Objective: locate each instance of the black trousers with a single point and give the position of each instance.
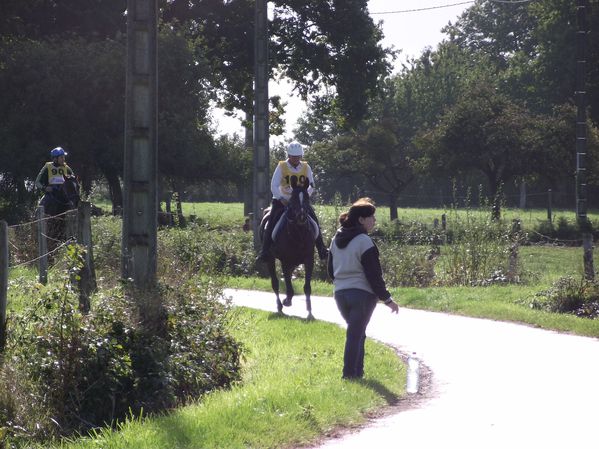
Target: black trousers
(356, 307)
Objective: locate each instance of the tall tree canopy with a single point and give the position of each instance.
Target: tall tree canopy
(309, 43)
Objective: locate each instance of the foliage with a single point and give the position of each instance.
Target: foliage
(560, 231)
(408, 266)
(478, 251)
(412, 233)
(289, 397)
(569, 295)
(489, 132)
(106, 240)
(67, 372)
(200, 248)
(43, 19)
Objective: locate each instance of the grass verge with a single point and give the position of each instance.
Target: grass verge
(291, 394)
(496, 302)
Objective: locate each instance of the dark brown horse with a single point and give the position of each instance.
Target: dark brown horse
(62, 198)
(293, 245)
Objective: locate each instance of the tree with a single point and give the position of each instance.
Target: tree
(309, 45)
(61, 93)
(71, 93)
(43, 19)
(186, 150)
(489, 132)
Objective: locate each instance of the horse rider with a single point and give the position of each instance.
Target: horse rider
(280, 186)
(52, 175)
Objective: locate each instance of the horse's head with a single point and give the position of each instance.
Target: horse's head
(299, 203)
(70, 187)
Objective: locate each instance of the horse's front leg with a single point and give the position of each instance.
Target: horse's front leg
(287, 271)
(309, 267)
(274, 282)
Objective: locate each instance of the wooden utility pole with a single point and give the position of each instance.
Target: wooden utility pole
(140, 208)
(581, 140)
(261, 178)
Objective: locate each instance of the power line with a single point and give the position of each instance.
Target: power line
(445, 6)
(422, 9)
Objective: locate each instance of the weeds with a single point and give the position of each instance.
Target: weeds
(65, 372)
(569, 295)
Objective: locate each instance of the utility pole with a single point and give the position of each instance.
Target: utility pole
(140, 207)
(261, 179)
(581, 139)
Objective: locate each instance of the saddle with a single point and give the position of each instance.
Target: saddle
(280, 224)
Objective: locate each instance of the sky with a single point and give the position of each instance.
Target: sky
(404, 29)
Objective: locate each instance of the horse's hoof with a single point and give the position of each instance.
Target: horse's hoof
(310, 317)
(287, 302)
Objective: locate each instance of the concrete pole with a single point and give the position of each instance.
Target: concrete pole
(581, 140)
(3, 281)
(140, 208)
(261, 178)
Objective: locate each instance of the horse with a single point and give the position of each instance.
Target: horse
(293, 244)
(61, 199)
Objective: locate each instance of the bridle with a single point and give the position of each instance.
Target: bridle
(297, 208)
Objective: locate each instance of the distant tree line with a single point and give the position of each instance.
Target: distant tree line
(491, 105)
(62, 67)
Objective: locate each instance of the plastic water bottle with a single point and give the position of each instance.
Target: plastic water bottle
(413, 381)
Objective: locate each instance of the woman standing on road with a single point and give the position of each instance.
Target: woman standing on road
(355, 268)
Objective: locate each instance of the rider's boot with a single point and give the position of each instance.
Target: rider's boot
(323, 251)
(266, 242)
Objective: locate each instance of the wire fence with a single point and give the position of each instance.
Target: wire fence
(38, 242)
(24, 238)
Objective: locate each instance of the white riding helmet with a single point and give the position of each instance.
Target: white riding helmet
(295, 149)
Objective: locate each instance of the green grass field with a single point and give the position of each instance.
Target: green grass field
(291, 388)
(291, 394)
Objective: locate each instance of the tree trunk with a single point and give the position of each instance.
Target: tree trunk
(21, 191)
(522, 194)
(495, 200)
(393, 206)
(116, 193)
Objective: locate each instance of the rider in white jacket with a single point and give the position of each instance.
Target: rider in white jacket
(280, 187)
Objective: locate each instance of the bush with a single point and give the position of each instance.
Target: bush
(562, 231)
(568, 295)
(479, 252)
(196, 248)
(408, 266)
(66, 372)
(411, 233)
(106, 236)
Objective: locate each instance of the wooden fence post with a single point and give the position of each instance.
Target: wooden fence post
(515, 234)
(87, 282)
(3, 281)
(549, 201)
(70, 219)
(42, 244)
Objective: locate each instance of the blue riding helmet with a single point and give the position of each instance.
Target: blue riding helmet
(58, 151)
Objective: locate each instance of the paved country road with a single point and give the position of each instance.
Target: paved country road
(493, 384)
